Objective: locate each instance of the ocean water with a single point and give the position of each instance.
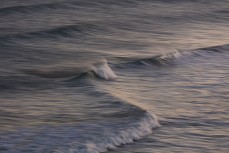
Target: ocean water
(115, 76)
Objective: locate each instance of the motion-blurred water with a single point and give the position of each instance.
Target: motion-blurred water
(83, 76)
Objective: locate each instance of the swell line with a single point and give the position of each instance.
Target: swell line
(63, 31)
(32, 8)
(61, 5)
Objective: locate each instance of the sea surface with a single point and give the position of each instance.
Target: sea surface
(114, 76)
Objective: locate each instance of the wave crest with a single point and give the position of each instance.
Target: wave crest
(103, 71)
(169, 58)
(100, 70)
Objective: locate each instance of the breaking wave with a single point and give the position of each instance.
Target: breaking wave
(119, 136)
(104, 71)
(84, 138)
(129, 123)
(100, 70)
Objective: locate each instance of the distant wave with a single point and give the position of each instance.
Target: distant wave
(27, 8)
(63, 5)
(62, 31)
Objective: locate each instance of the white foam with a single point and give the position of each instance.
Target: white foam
(103, 71)
(81, 138)
(128, 134)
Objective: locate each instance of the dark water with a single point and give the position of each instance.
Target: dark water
(117, 76)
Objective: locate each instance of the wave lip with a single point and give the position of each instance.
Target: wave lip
(103, 71)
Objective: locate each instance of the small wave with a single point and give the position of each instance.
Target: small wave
(160, 59)
(220, 49)
(102, 70)
(170, 58)
(99, 69)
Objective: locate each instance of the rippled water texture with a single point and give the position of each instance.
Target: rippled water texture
(115, 76)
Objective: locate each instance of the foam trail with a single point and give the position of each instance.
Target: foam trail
(102, 70)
